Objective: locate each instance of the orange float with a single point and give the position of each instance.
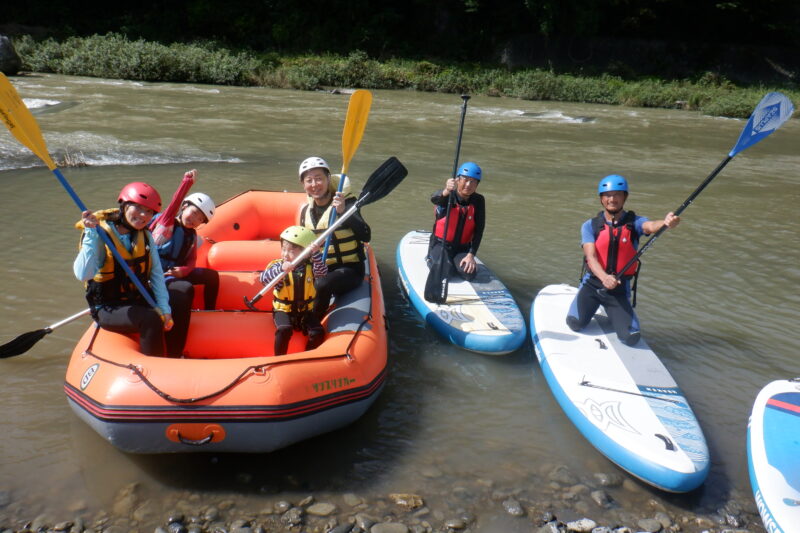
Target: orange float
(230, 393)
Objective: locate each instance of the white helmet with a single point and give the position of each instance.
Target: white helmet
(313, 162)
(203, 202)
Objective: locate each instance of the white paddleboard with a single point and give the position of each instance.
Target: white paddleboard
(773, 453)
(479, 315)
(622, 398)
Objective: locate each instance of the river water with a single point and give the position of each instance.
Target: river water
(718, 297)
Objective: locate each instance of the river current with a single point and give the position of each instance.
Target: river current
(718, 297)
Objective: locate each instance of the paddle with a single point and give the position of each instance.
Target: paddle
(770, 113)
(161, 227)
(20, 122)
(25, 342)
(379, 184)
(354, 124)
(437, 283)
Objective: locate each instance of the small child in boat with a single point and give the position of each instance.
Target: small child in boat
(179, 253)
(293, 296)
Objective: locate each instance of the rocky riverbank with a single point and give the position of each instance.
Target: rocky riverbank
(555, 500)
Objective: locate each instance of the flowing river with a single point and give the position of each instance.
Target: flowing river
(718, 297)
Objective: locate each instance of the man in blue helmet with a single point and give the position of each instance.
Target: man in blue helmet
(466, 221)
(609, 242)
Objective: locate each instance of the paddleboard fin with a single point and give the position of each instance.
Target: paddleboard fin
(602, 344)
(668, 444)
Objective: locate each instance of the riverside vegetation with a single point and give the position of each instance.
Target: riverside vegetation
(115, 56)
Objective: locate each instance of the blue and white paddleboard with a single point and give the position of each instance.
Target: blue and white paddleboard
(622, 398)
(773, 455)
(479, 315)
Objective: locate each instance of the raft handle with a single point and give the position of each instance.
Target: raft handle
(194, 434)
(192, 442)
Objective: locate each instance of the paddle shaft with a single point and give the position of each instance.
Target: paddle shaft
(68, 320)
(444, 256)
(307, 251)
(380, 183)
(107, 241)
(770, 113)
(677, 212)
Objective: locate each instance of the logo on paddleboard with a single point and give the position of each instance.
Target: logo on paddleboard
(606, 414)
(88, 375)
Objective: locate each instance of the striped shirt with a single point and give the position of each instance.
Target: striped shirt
(318, 268)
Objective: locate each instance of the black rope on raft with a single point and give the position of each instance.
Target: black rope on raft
(252, 368)
(367, 318)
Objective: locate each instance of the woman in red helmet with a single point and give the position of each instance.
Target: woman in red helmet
(115, 302)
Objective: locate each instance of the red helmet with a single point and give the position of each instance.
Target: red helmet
(142, 194)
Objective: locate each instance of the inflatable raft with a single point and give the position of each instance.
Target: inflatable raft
(230, 393)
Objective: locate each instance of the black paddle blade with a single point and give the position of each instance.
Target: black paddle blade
(383, 181)
(436, 284)
(23, 343)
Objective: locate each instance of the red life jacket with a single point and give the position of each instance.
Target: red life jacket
(462, 223)
(617, 244)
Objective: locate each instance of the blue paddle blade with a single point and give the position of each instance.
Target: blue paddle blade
(770, 113)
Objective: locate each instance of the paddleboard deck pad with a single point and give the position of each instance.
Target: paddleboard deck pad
(773, 454)
(479, 315)
(621, 398)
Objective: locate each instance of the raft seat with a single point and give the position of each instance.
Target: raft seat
(234, 335)
(239, 264)
(242, 255)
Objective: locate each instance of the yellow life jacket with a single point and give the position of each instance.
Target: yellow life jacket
(111, 285)
(344, 247)
(298, 291)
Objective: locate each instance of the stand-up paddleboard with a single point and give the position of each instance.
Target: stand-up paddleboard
(773, 453)
(479, 315)
(621, 398)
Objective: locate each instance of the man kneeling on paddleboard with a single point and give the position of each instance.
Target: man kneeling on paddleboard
(609, 242)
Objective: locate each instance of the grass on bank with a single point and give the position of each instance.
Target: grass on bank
(115, 56)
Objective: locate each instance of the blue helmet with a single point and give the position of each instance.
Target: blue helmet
(612, 182)
(470, 170)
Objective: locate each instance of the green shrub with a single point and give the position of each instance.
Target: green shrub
(114, 56)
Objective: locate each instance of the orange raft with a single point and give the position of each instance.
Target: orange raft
(231, 393)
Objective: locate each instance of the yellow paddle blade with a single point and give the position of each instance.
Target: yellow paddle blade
(354, 124)
(20, 122)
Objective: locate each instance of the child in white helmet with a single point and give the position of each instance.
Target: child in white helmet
(178, 255)
(293, 296)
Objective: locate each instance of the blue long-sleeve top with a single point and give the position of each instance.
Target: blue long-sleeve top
(92, 255)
